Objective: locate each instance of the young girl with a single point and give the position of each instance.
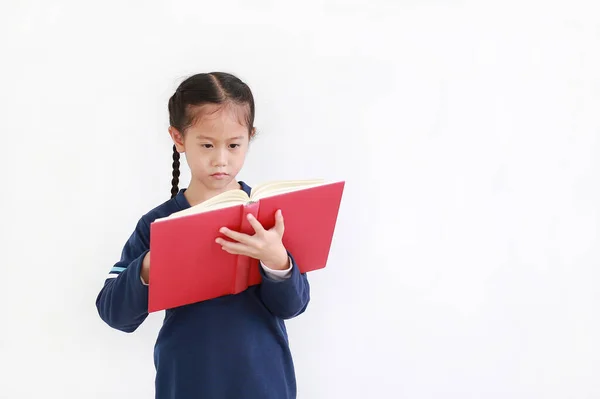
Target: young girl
(234, 346)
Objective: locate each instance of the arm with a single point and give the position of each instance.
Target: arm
(123, 300)
(288, 297)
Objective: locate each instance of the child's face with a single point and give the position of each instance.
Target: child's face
(215, 147)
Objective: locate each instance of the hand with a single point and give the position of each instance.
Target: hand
(145, 272)
(265, 245)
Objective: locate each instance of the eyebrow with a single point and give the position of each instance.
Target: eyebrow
(200, 137)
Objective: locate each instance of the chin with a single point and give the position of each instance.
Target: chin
(218, 184)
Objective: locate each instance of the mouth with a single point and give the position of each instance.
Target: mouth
(220, 175)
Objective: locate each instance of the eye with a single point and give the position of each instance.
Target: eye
(233, 146)
(206, 145)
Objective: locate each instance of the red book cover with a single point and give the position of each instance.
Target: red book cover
(188, 266)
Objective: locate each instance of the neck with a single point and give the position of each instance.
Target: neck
(197, 192)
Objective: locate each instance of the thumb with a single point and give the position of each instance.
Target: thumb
(279, 225)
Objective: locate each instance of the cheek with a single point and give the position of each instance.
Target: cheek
(196, 160)
(201, 163)
(239, 157)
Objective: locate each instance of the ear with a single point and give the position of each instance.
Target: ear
(252, 133)
(177, 138)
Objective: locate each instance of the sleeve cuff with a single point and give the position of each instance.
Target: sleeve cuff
(279, 275)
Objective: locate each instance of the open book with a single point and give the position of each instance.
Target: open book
(188, 266)
(239, 197)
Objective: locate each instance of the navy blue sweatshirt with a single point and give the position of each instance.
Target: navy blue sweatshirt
(230, 347)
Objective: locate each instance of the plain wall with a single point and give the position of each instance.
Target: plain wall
(465, 260)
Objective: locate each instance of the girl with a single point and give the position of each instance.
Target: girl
(234, 346)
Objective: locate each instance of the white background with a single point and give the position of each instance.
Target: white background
(465, 262)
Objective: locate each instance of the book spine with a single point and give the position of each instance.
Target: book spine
(244, 263)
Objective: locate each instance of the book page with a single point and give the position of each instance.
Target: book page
(223, 200)
(283, 186)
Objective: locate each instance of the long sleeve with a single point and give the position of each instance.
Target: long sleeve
(278, 274)
(123, 301)
(285, 298)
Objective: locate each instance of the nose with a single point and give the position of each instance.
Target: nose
(220, 158)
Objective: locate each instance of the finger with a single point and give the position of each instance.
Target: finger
(235, 235)
(235, 248)
(279, 225)
(258, 228)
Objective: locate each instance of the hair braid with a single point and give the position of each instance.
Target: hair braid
(175, 180)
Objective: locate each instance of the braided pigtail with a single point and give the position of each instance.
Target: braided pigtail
(175, 180)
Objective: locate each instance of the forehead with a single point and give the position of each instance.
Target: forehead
(218, 119)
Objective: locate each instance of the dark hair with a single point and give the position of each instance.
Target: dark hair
(201, 89)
